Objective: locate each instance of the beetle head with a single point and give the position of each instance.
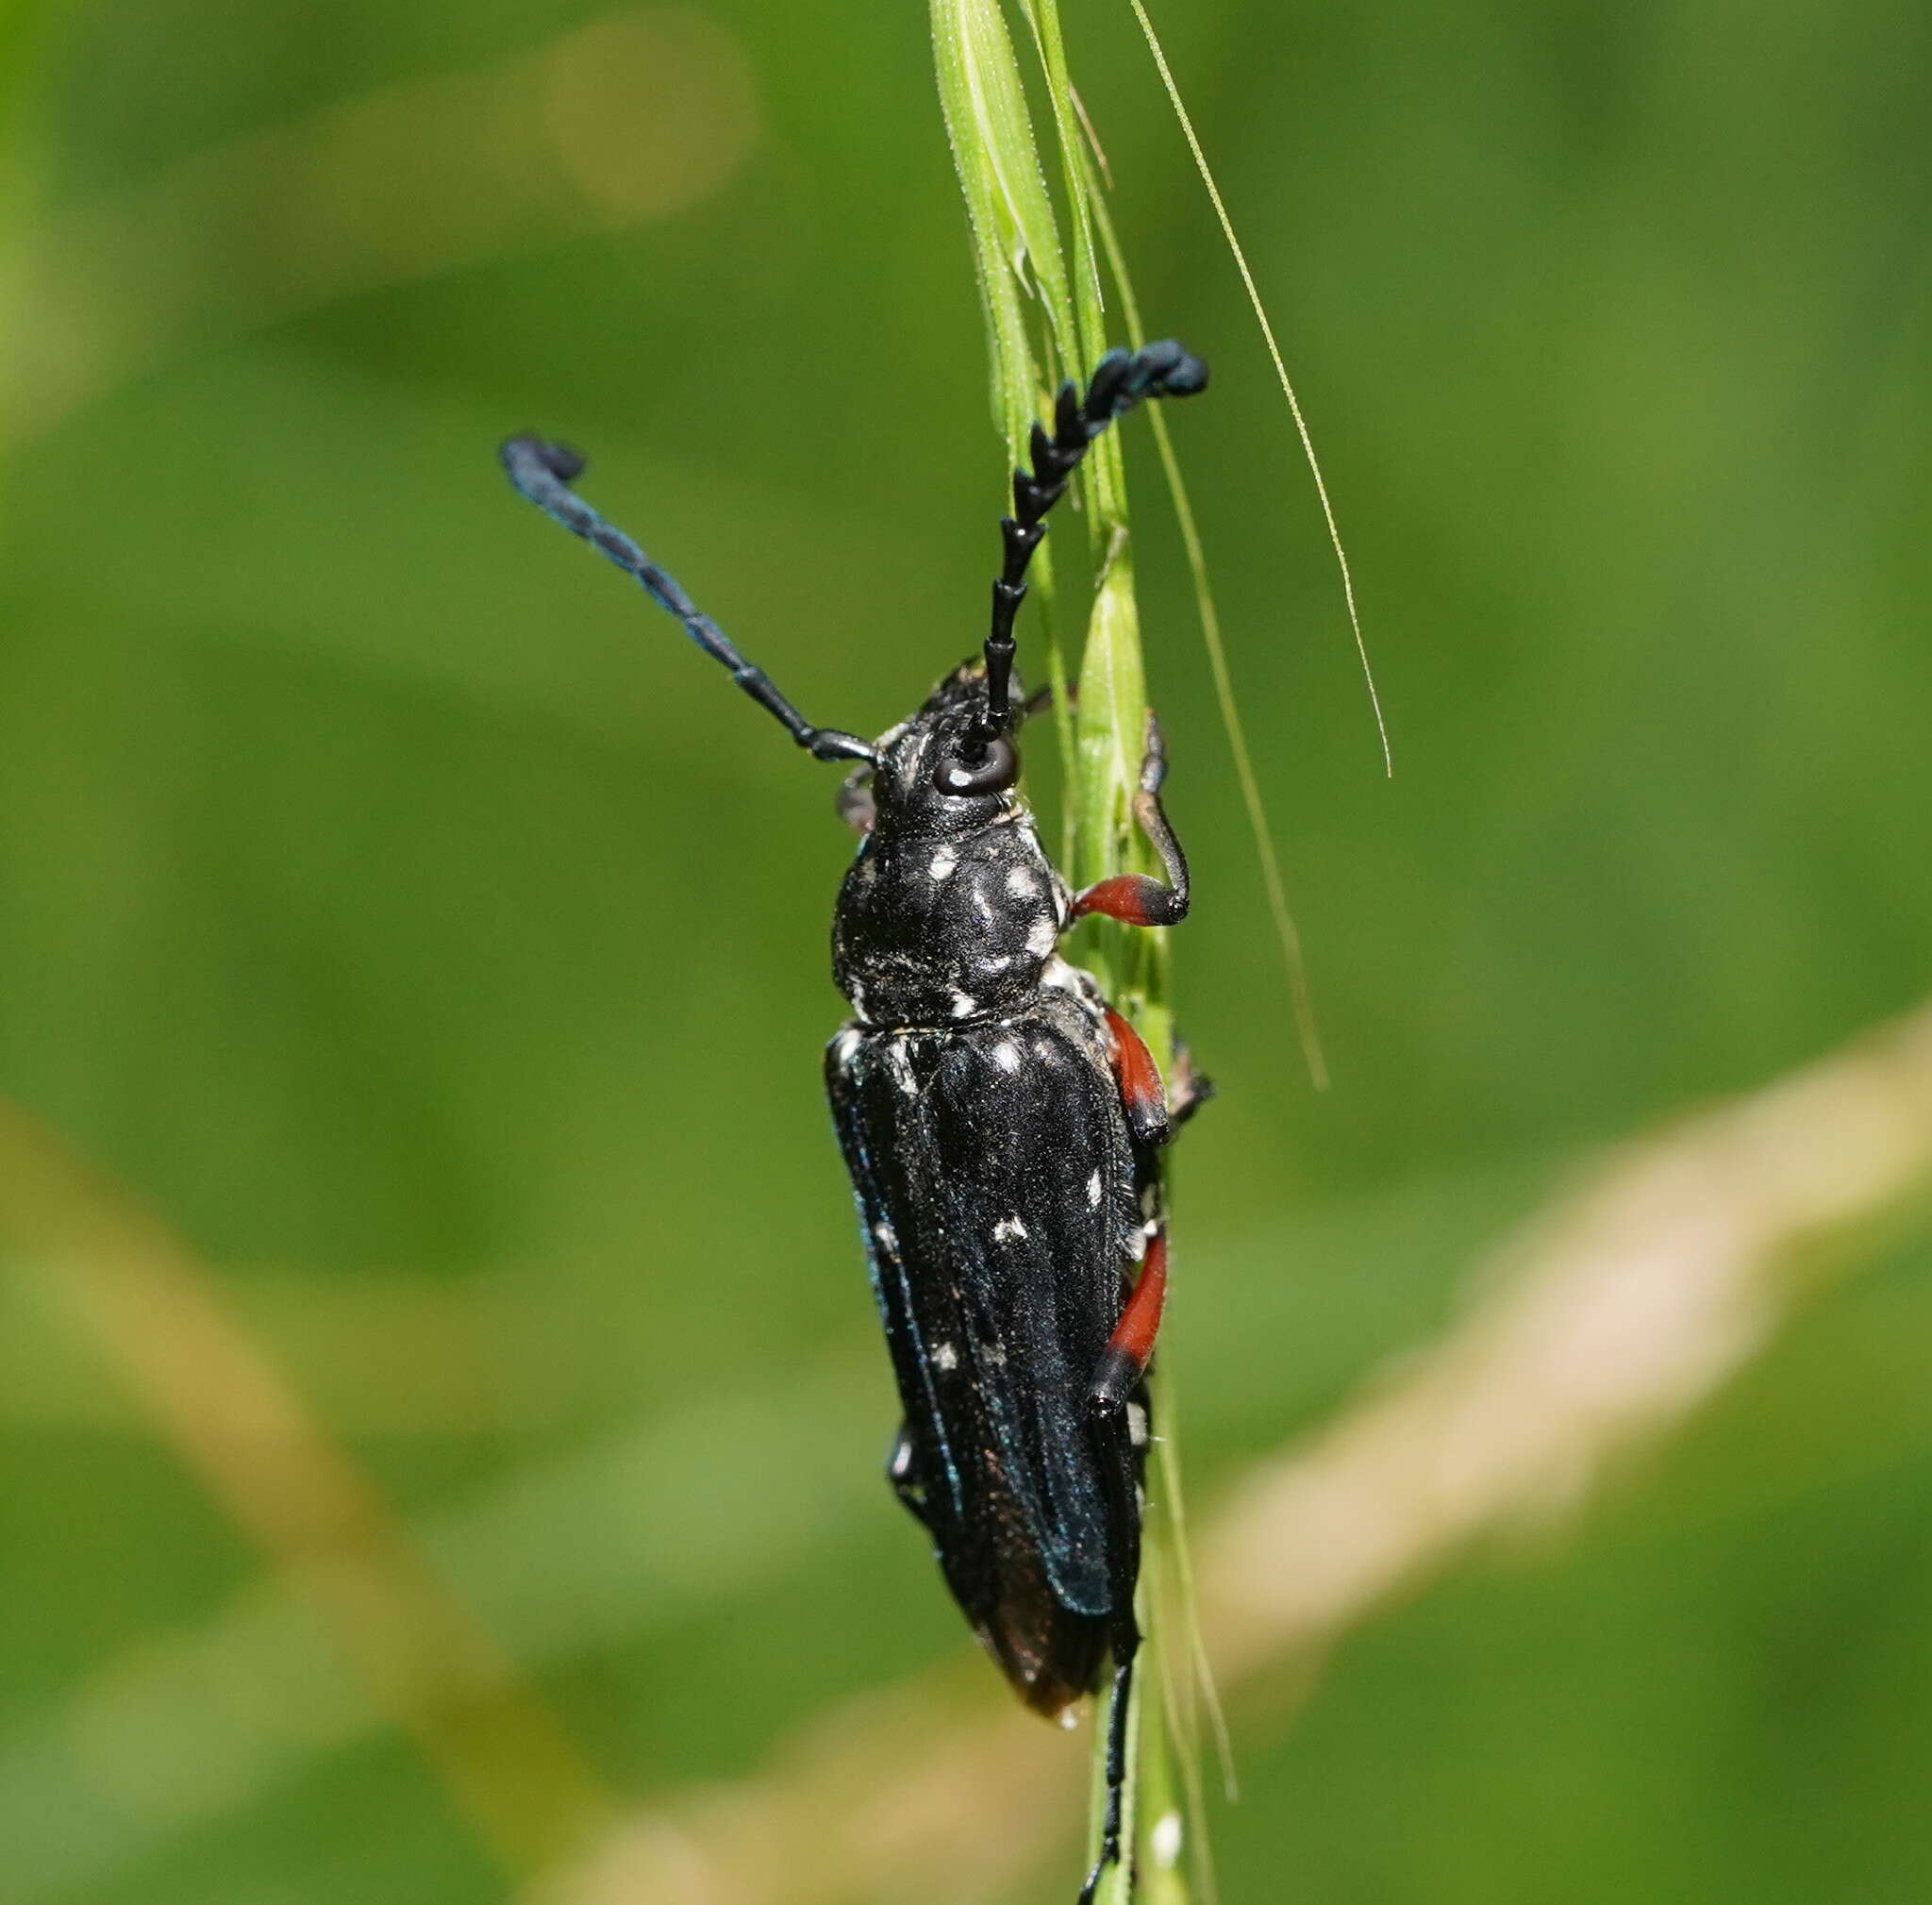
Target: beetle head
(939, 771)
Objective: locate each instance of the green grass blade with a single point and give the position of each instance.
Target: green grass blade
(1007, 208)
(1012, 224)
(1103, 478)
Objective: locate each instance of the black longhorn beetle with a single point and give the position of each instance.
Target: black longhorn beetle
(1000, 1122)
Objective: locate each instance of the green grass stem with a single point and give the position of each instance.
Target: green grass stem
(1022, 272)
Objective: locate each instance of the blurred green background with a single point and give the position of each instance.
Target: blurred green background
(393, 904)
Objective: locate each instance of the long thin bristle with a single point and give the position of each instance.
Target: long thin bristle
(1240, 258)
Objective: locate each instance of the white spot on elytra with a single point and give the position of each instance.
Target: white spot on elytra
(901, 1063)
(1020, 883)
(993, 1355)
(844, 1046)
(1041, 936)
(995, 963)
(943, 861)
(885, 1236)
(1010, 1230)
(1006, 1056)
(964, 1005)
(1137, 1425)
(1094, 1191)
(945, 1356)
(1164, 1841)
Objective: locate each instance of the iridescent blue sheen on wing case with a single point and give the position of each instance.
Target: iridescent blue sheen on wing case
(1002, 1126)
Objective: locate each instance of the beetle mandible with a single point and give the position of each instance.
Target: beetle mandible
(1000, 1122)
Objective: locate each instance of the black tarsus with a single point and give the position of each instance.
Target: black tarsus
(1121, 379)
(1163, 902)
(544, 471)
(1155, 823)
(1113, 1443)
(1119, 1707)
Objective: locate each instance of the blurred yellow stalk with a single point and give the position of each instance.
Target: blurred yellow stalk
(220, 1406)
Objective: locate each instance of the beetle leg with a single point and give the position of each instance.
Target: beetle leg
(1139, 1077)
(1117, 1403)
(1042, 698)
(1191, 1087)
(903, 1477)
(1117, 1417)
(1135, 897)
(854, 801)
(1119, 1709)
(1130, 1348)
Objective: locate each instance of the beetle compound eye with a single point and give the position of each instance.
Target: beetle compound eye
(993, 775)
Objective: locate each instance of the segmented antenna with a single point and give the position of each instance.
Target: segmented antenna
(543, 472)
(1120, 381)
